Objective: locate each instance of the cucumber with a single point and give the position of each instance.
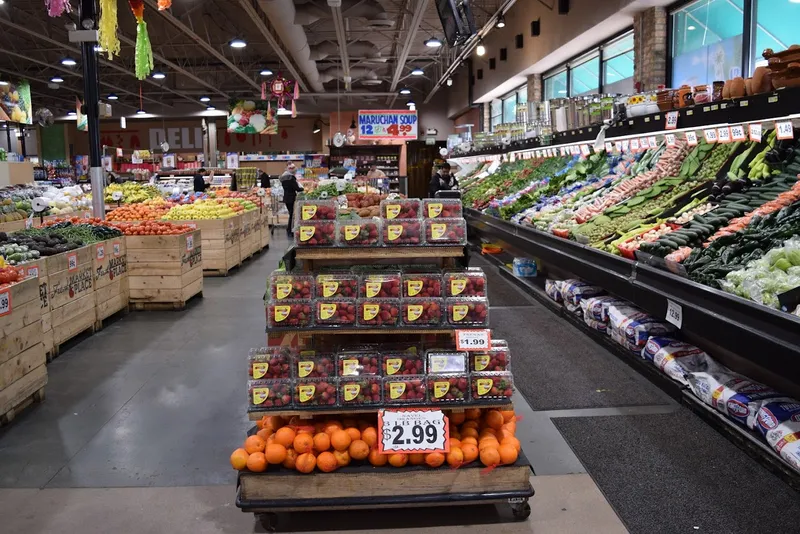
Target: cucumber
(699, 219)
(678, 239)
(669, 243)
(736, 196)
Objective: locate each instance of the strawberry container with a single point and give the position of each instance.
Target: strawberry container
(337, 286)
(359, 233)
(402, 363)
(422, 311)
(315, 233)
(315, 392)
(285, 286)
(285, 313)
(271, 394)
(269, 363)
(379, 285)
(315, 210)
(311, 364)
(441, 208)
(404, 389)
(358, 363)
(468, 311)
(448, 388)
(445, 361)
(422, 284)
(445, 231)
(491, 386)
(396, 233)
(360, 390)
(468, 283)
(401, 208)
(378, 312)
(335, 312)
(498, 358)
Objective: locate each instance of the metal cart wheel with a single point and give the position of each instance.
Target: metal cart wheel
(521, 510)
(269, 521)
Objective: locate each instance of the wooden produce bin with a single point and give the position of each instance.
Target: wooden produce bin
(250, 241)
(38, 269)
(71, 294)
(110, 267)
(221, 244)
(23, 373)
(12, 226)
(264, 215)
(164, 271)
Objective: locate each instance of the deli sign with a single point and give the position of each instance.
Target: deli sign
(388, 124)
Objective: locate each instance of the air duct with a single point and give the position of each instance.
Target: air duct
(329, 75)
(358, 49)
(308, 12)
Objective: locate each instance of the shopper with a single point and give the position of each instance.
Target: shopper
(442, 181)
(234, 185)
(263, 179)
(290, 189)
(200, 184)
(375, 172)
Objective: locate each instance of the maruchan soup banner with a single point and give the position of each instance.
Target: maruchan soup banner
(387, 124)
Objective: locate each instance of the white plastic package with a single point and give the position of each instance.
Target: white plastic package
(553, 289)
(779, 422)
(596, 308)
(573, 291)
(676, 359)
(631, 327)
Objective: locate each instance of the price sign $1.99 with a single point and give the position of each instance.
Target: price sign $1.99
(413, 430)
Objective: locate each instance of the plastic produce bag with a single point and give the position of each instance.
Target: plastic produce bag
(596, 308)
(553, 289)
(600, 326)
(779, 422)
(677, 359)
(764, 279)
(631, 327)
(575, 290)
(733, 395)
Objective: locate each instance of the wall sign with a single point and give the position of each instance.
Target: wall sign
(387, 124)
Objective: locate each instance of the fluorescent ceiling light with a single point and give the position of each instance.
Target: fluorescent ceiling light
(57, 79)
(69, 62)
(481, 50)
(141, 112)
(501, 22)
(71, 114)
(405, 91)
(690, 28)
(562, 92)
(159, 75)
(210, 108)
(3, 83)
(417, 72)
(205, 99)
(238, 43)
(316, 130)
(266, 72)
(112, 96)
(433, 42)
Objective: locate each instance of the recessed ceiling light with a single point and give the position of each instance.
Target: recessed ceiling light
(112, 96)
(405, 91)
(266, 72)
(140, 112)
(501, 22)
(71, 114)
(69, 62)
(449, 82)
(481, 50)
(417, 72)
(410, 103)
(433, 42)
(238, 43)
(211, 108)
(159, 75)
(690, 28)
(57, 79)
(562, 92)
(205, 99)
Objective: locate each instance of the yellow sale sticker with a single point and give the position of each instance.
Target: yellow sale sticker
(393, 365)
(351, 391)
(306, 392)
(349, 367)
(260, 369)
(440, 389)
(458, 285)
(308, 211)
(370, 311)
(329, 289)
(413, 287)
(373, 288)
(396, 389)
(351, 232)
(434, 210)
(460, 311)
(414, 312)
(481, 361)
(392, 211)
(438, 230)
(281, 313)
(484, 385)
(327, 310)
(394, 231)
(307, 232)
(283, 290)
(260, 395)
(304, 368)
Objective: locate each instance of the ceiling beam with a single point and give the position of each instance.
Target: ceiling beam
(419, 13)
(341, 38)
(202, 43)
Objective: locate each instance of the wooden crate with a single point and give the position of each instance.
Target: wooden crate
(221, 244)
(12, 226)
(23, 374)
(263, 227)
(164, 272)
(38, 269)
(110, 266)
(71, 294)
(249, 242)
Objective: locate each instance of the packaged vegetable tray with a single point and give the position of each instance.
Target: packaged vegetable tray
(445, 231)
(404, 389)
(675, 358)
(421, 284)
(779, 423)
(444, 208)
(359, 233)
(315, 392)
(402, 363)
(358, 363)
(273, 362)
(497, 358)
(315, 233)
(315, 210)
(450, 388)
(335, 312)
(337, 285)
(403, 232)
(379, 285)
(400, 208)
(288, 286)
(312, 364)
(285, 313)
(269, 394)
(422, 311)
(467, 311)
(360, 390)
(468, 283)
(491, 386)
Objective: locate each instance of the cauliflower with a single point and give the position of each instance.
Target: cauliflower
(258, 122)
(249, 105)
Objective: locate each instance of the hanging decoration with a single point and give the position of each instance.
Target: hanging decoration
(144, 52)
(56, 8)
(282, 89)
(107, 28)
(164, 4)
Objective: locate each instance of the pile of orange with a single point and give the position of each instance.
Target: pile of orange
(487, 436)
(139, 212)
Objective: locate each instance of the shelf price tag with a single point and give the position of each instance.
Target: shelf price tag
(652, 141)
(609, 147)
(785, 130)
(737, 133)
(72, 262)
(710, 134)
(755, 132)
(625, 145)
(644, 143)
(618, 146)
(670, 139)
(691, 138)
(412, 430)
(724, 135)
(634, 144)
(671, 120)
(674, 313)
(5, 302)
(585, 150)
(101, 252)
(189, 243)
(472, 340)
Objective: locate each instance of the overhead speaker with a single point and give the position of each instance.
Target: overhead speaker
(536, 27)
(563, 7)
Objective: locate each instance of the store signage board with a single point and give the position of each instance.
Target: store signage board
(473, 340)
(671, 120)
(785, 130)
(737, 133)
(755, 132)
(724, 135)
(691, 138)
(387, 124)
(414, 430)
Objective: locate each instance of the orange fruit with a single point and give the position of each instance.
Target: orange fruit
(494, 419)
(239, 459)
(508, 454)
(370, 436)
(456, 418)
(319, 427)
(254, 444)
(285, 436)
(291, 459)
(469, 424)
(488, 444)
(503, 434)
(470, 440)
(303, 443)
(256, 462)
(514, 442)
(398, 460)
(353, 432)
(275, 453)
(305, 463)
(342, 458)
(455, 434)
(332, 426)
(322, 442)
(326, 462)
(377, 459)
(270, 440)
(262, 422)
(434, 459)
(469, 433)
(358, 450)
(264, 433)
(350, 423)
(340, 440)
(511, 427)
(488, 432)
(508, 415)
(472, 413)
(490, 457)
(470, 452)
(455, 443)
(455, 457)
(416, 459)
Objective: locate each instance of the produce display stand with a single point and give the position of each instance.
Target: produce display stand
(164, 271)
(23, 373)
(366, 486)
(38, 269)
(110, 266)
(221, 239)
(71, 294)
(249, 242)
(264, 229)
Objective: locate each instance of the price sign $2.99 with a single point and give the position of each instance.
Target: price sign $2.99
(413, 430)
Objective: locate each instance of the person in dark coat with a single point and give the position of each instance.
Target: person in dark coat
(263, 178)
(200, 184)
(290, 189)
(234, 185)
(442, 181)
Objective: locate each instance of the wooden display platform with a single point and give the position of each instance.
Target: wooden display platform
(71, 294)
(249, 242)
(366, 330)
(264, 229)
(220, 243)
(38, 269)
(164, 272)
(376, 253)
(256, 415)
(110, 265)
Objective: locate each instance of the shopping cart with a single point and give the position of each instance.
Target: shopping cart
(277, 207)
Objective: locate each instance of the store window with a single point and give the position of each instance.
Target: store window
(618, 65)
(510, 109)
(555, 86)
(707, 41)
(496, 113)
(775, 28)
(585, 76)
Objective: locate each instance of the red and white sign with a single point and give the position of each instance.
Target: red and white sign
(737, 133)
(671, 120)
(755, 132)
(585, 150)
(652, 141)
(471, 340)
(387, 124)
(670, 139)
(635, 145)
(691, 138)
(189, 242)
(414, 430)
(710, 134)
(116, 249)
(5, 302)
(72, 262)
(785, 130)
(101, 252)
(724, 135)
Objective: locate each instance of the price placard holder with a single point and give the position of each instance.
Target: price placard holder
(737, 133)
(671, 120)
(785, 130)
(755, 132)
(691, 138)
(413, 431)
(473, 340)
